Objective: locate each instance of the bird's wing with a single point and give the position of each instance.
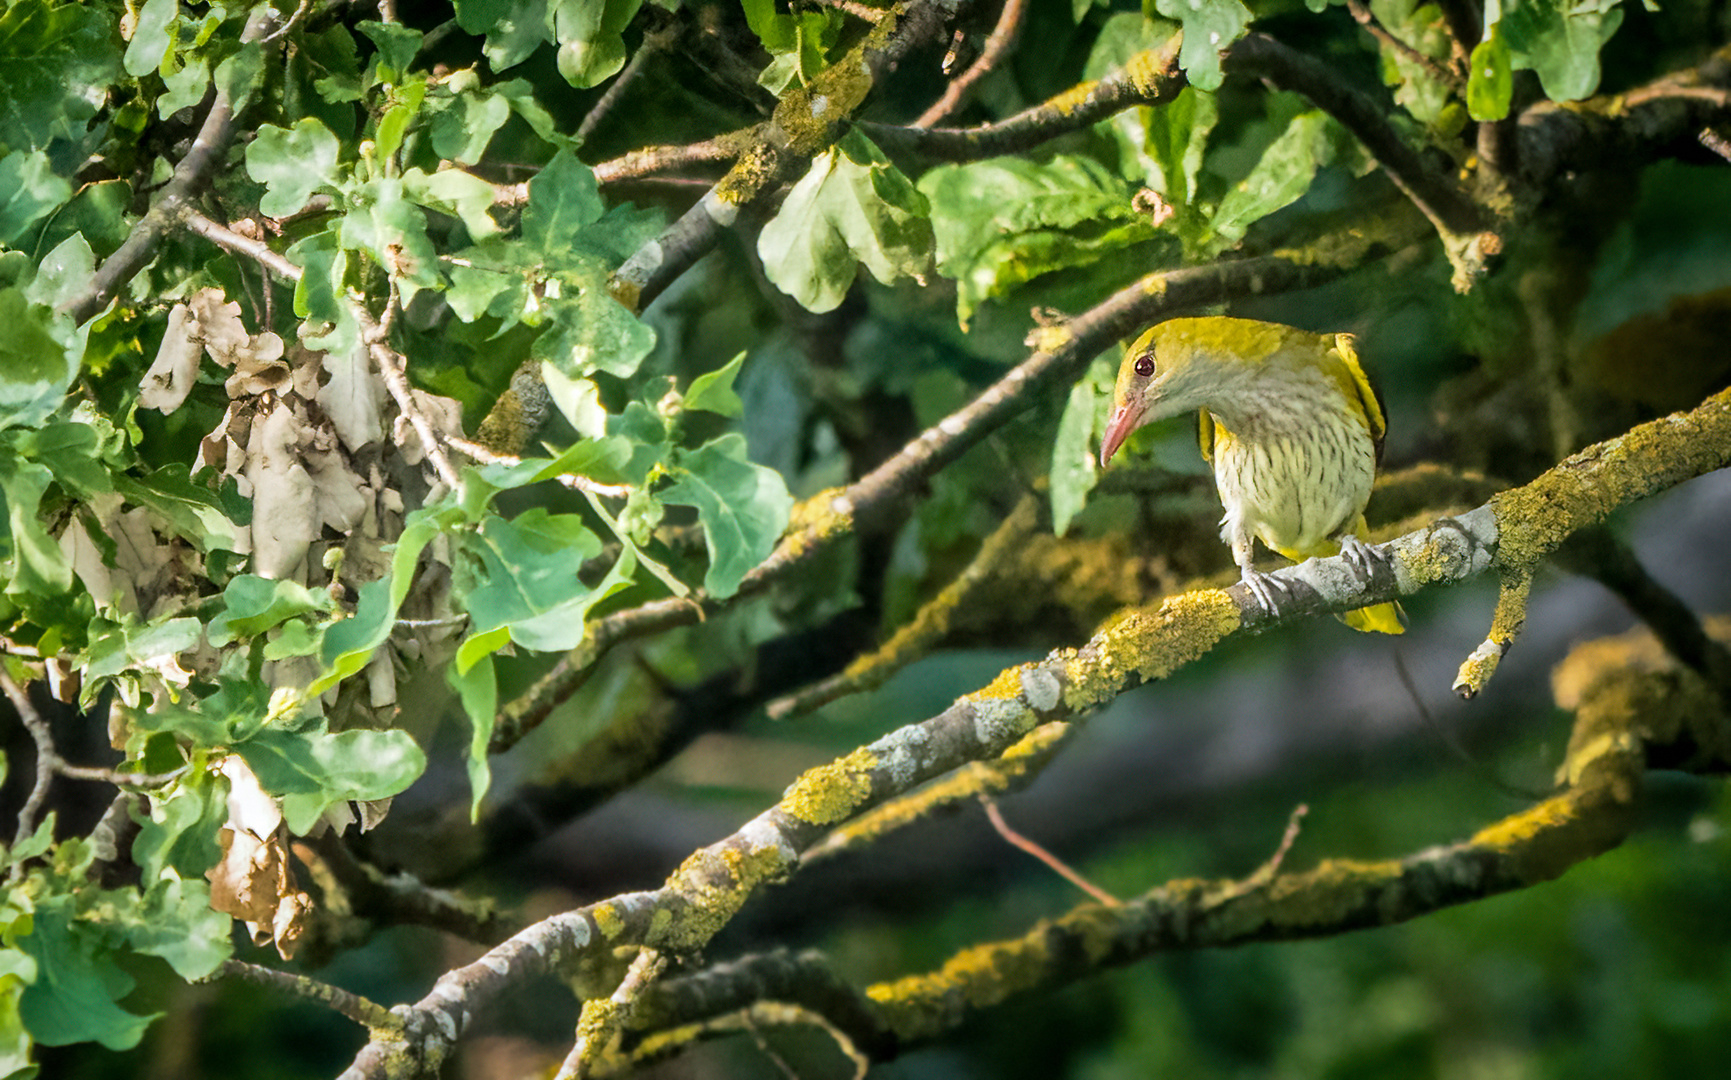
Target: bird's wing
(1205, 434)
(1345, 345)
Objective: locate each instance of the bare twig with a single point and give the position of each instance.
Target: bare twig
(998, 46)
(1057, 865)
(652, 43)
(1148, 78)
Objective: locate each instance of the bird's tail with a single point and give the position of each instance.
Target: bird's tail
(1378, 618)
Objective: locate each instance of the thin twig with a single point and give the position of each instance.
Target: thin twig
(1032, 848)
(998, 46)
(190, 175)
(652, 43)
(1715, 142)
(1437, 71)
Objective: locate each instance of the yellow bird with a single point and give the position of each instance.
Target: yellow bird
(1288, 421)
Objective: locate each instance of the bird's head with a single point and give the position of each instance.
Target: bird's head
(1165, 372)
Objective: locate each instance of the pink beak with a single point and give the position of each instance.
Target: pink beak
(1125, 419)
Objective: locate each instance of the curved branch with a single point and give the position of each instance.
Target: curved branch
(1433, 191)
(190, 176)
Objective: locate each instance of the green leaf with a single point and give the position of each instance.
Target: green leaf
(36, 364)
(29, 192)
(1283, 173)
(77, 985)
(478, 688)
(1490, 80)
(59, 60)
(181, 832)
(564, 200)
(312, 770)
(350, 643)
(742, 507)
(593, 332)
(1074, 469)
(397, 45)
(590, 37)
(851, 207)
(35, 564)
(463, 124)
(152, 40)
(292, 163)
(1209, 26)
(1558, 39)
(174, 921)
(254, 604)
(1002, 222)
(453, 191)
(511, 571)
(713, 390)
(393, 230)
(241, 75)
(1421, 27)
(513, 30)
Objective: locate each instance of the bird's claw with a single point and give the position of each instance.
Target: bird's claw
(1267, 590)
(1363, 558)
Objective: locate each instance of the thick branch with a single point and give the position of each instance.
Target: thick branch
(1512, 531)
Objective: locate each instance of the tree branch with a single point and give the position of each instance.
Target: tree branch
(189, 178)
(803, 125)
(1151, 77)
(1458, 220)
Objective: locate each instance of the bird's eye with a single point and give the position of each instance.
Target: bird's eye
(1145, 365)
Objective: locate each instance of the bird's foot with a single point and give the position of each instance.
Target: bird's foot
(1363, 558)
(1268, 591)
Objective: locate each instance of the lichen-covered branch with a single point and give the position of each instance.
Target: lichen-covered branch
(803, 125)
(1148, 78)
(1513, 531)
(925, 630)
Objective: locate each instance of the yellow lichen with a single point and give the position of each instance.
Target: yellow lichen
(1006, 686)
(831, 793)
(608, 920)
